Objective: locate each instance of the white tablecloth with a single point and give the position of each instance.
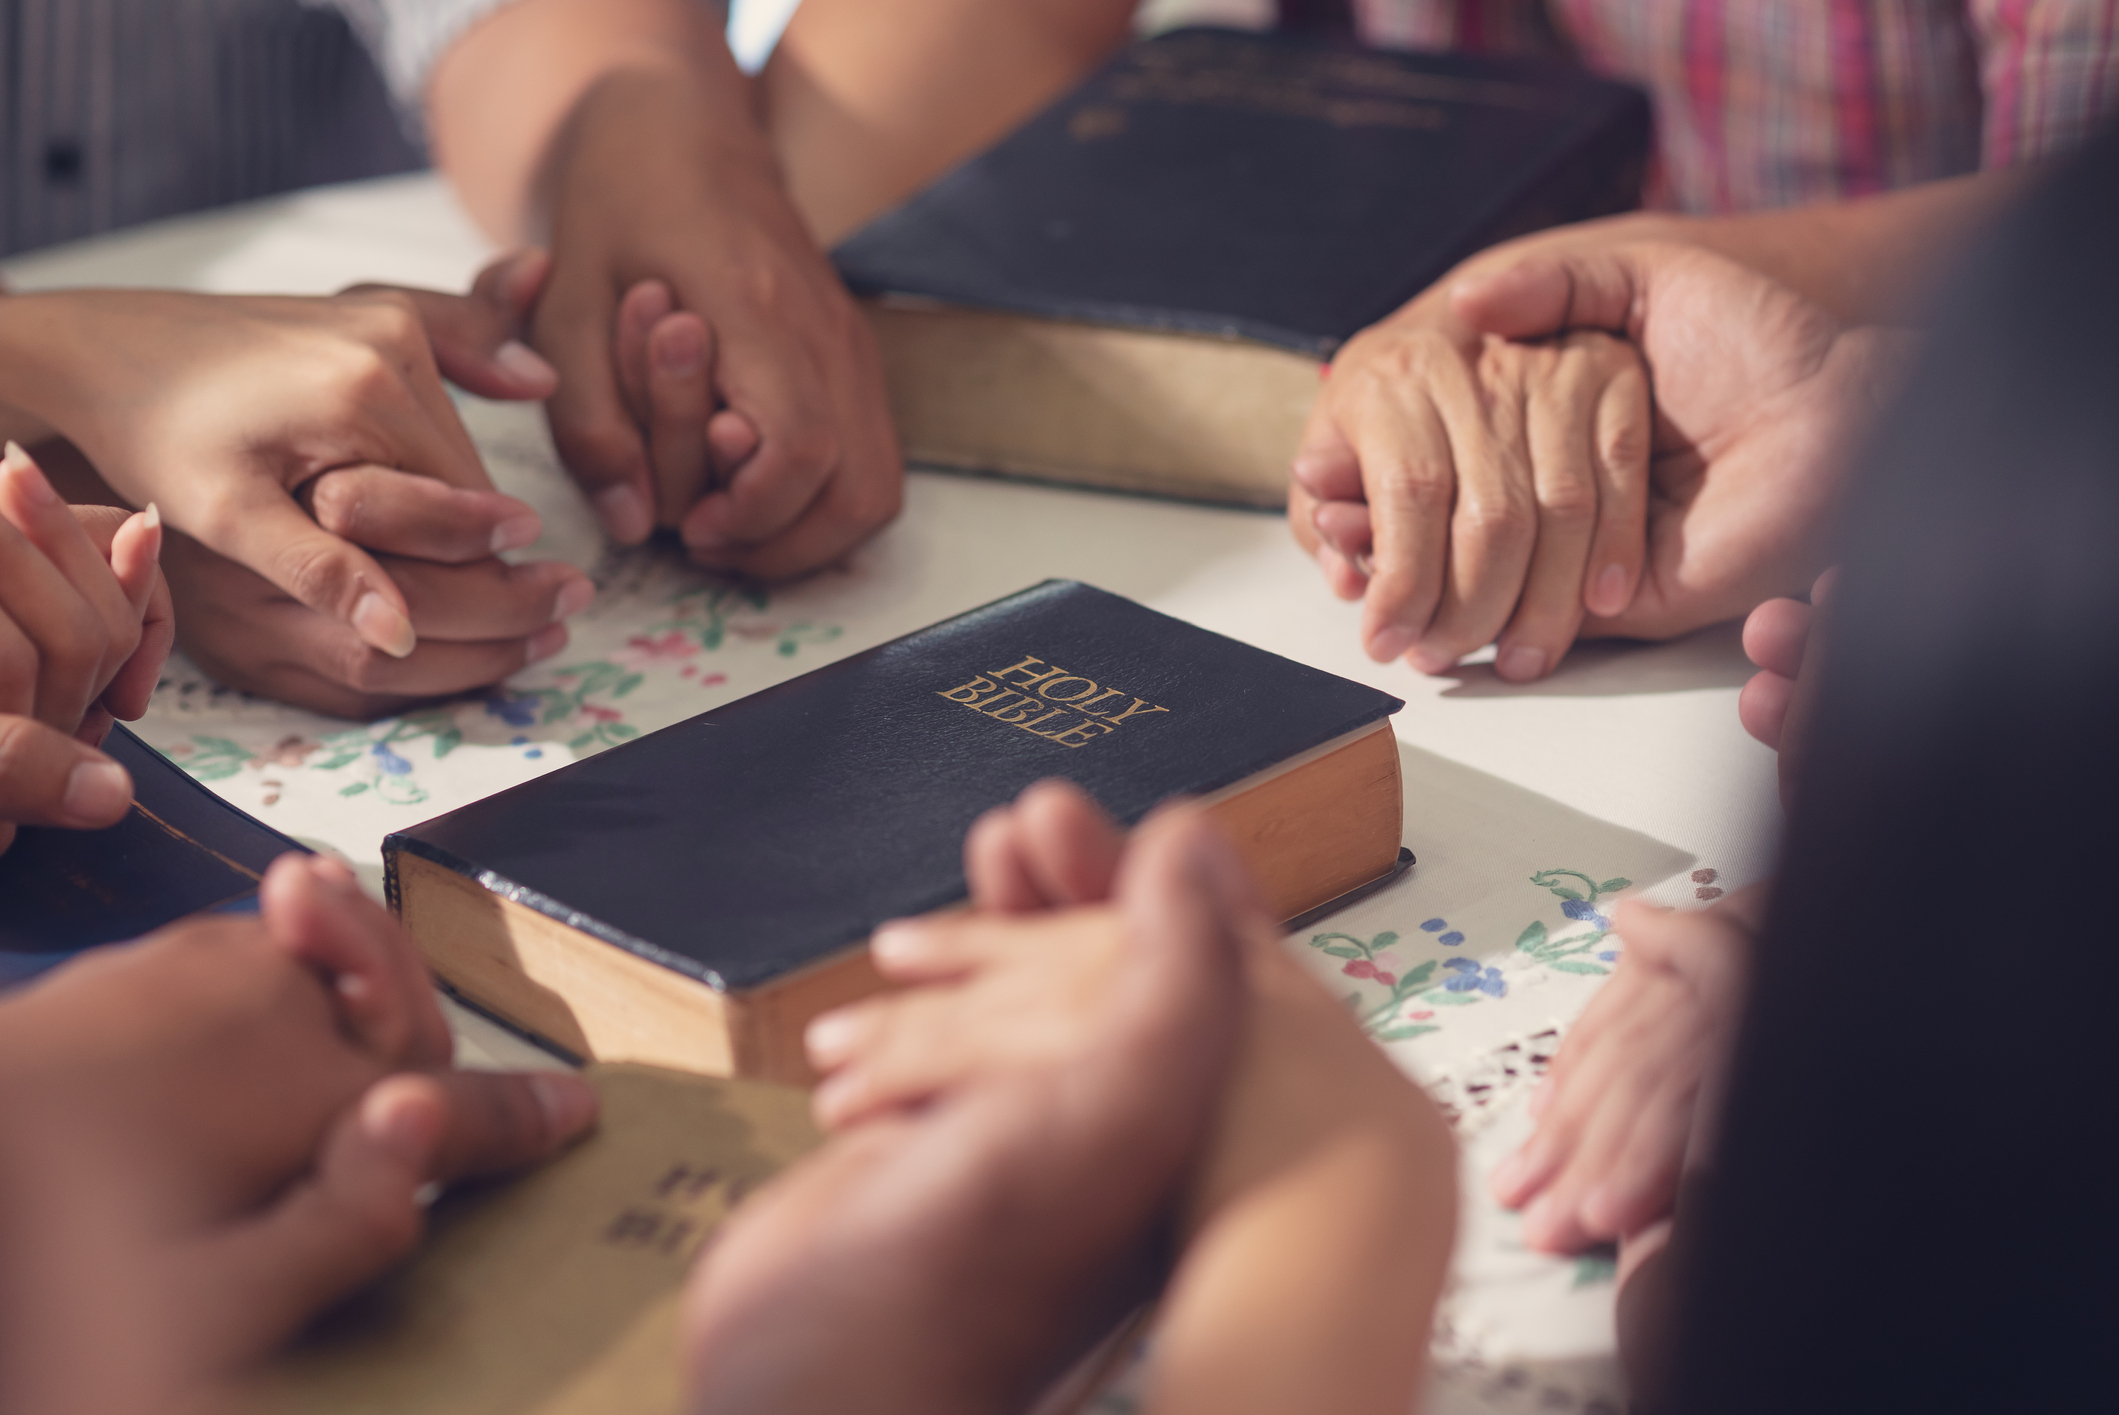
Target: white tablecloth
(1528, 807)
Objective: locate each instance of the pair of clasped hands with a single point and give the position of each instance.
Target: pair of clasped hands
(1596, 432)
(337, 542)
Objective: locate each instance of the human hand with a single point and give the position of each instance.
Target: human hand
(84, 627)
(1621, 1107)
(714, 373)
(1466, 487)
(257, 1103)
(356, 454)
(1781, 638)
(1757, 396)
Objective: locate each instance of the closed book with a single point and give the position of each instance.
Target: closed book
(1135, 289)
(693, 897)
(554, 1292)
(180, 850)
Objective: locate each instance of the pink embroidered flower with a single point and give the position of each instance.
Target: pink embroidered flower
(1362, 968)
(601, 714)
(643, 649)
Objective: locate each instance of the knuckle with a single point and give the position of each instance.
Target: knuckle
(18, 744)
(1497, 521)
(310, 570)
(339, 503)
(1569, 503)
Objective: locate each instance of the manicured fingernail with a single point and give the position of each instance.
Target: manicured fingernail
(568, 1102)
(679, 350)
(624, 513)
(523, 364)
(152, 517)
(1432, 661)
(96, 793)
(1609, 596)
(382, 625)
(894, 943)
(573, 597)
(517, 531)
(1390, 642)
(1520, 664)
(830, 1038)
(545, 643)
(34, 486)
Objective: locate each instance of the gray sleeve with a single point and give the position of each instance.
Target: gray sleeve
(408, 36)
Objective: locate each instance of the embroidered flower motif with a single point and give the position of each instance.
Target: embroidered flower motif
(1468, 976)
(601, 714)
(1362, 968)
(643, 649)
(391, 763)
(1583, 912)
(1434, 926)
(1451, 939)
(516, 712)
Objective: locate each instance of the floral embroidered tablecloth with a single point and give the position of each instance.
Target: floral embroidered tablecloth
(1529, 809)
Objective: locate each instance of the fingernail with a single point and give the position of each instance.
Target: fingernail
(830, 1038)
(894, 943)
(96, 794)
(1432, 661)
(383, 626)
(545, 643)
(152, 517)
(517, 531)
(1608, 595)
(574, 596)
(524, 364)
(1390, 642)
(1520, 664)
(679, 350)
(1508, 1176)
(34, 486)
(568, 1102)
(405, 1130)
(624, 513)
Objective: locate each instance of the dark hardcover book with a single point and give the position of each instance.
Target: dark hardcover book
(693, 897)
(1254, 201)
(181, 850)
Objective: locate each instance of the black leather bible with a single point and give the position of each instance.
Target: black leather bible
(1193, 229)
(693, 897)
(181, 850)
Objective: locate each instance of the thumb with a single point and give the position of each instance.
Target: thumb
(272, 536)
(48, 778)
(1546, 294)
(476, 337)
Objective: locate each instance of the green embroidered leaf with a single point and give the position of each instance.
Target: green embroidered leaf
(1442, 997)
(354, 790)
(1406, 1034)
(626, 685)
(620, 731)
(1609, 885)
(1417, 976)
(1383, 941)
(1563, 891)
(582, 742)
(337, 760)
(447, 742)
(1565, 965)
(1531, 939)
(1352, 1001)
(1340, 950)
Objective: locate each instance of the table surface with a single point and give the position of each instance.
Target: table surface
(1528, 807)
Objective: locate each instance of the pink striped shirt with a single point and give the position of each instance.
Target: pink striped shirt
(1768, 103)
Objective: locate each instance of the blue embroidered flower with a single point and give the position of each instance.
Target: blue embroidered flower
(533, 754)
(1452, 938)
(1582, 912)
(1608, 955)
(516, 712)
(1434, 926)
(391, 763)
(1468, 976)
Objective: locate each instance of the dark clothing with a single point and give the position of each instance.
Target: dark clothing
(1913, 1208)
(114, 112)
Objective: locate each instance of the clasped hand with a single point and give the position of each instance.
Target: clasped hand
(1586, 437)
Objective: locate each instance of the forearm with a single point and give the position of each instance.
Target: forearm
(500, 103)
(1323, 1223)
